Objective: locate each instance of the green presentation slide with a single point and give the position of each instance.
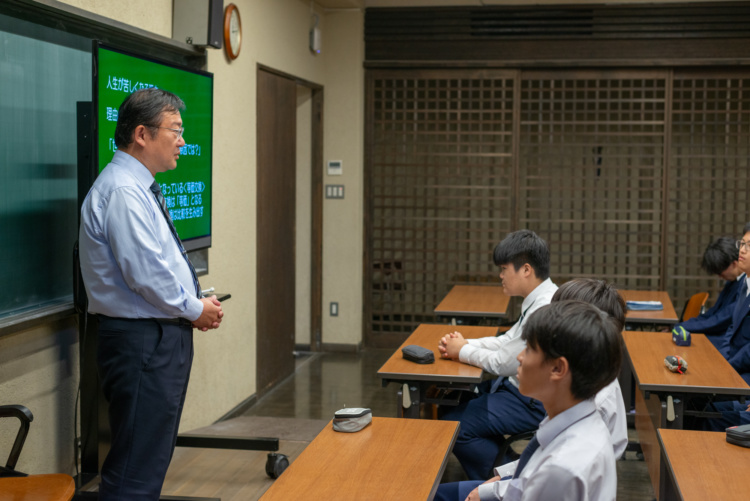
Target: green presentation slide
(187, 189)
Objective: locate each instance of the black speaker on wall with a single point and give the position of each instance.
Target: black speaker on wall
(198, 22)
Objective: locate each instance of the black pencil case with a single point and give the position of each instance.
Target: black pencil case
(417, 354)
(739, 435)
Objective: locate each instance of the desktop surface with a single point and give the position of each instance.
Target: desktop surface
(666, 315)
(391, 458)
(474, 301)
(707, 372)
(702, 465)
(428, 336)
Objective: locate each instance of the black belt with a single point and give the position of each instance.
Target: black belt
(182, 322)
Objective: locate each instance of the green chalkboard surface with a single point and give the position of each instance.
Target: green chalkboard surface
(43, 73)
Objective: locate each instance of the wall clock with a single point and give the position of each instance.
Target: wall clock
(232, 31)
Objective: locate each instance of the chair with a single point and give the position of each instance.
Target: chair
(694, 306)
(20, 486)
(506, 453)
(388, 283)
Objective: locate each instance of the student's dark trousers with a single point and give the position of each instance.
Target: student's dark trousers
(456, 491)
(486, 419)
(144, 367)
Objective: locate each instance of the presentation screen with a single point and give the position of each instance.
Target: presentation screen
(187, 189)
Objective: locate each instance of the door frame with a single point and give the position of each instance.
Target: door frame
(316, 205)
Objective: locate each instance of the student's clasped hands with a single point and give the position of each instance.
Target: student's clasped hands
(450, 345)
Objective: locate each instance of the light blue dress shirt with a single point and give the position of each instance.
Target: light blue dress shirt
(574, 462)
(131, 264)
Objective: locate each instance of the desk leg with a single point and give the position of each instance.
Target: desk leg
(650, 414)
(674, 406)
(667, 488)
(627, 383)
(410, 400)
(400, 403)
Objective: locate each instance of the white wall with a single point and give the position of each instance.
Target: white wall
(150, 15)
(343, 220)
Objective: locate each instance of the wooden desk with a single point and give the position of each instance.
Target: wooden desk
(474, 301)
(701, 465)
(667, 315)
(708, 371)
(419, 377)
(389, 459)
(643, 319)
(660, 399)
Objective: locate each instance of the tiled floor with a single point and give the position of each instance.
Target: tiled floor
(324, 383)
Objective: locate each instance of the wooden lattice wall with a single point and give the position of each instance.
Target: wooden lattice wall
(591, 171)
(709, 184)
(628, 174)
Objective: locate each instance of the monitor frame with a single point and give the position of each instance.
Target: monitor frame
(190, 244)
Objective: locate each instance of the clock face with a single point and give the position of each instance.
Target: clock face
(235, 36)
(232, 31)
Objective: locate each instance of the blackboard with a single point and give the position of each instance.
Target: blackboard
(43, 73)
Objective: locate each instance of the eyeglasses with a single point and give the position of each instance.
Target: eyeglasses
(741, 243)
(179, 131)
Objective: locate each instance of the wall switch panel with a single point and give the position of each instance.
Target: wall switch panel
(335, 191)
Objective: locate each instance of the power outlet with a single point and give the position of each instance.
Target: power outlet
(334, 309)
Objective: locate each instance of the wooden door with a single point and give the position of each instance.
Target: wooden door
(277, 108)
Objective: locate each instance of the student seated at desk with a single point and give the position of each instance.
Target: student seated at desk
(736, 347)
(523, 258)
(720, 258)
(571, 456)
(736, 342)
(609, 401)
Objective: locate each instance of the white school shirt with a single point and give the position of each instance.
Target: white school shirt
(611, 407)
(574, 462)
(497, 355)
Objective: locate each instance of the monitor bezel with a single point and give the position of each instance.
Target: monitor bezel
(191, 244)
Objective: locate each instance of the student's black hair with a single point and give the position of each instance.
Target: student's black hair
(746, 228)
(601, 294)
(719, 254)
(521, 247)
(588, 338)
(144, 107)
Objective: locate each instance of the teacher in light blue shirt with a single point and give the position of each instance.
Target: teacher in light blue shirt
(145, 295)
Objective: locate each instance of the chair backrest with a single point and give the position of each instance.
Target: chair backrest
(694, 305)
(25, 417)
(20, 486)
